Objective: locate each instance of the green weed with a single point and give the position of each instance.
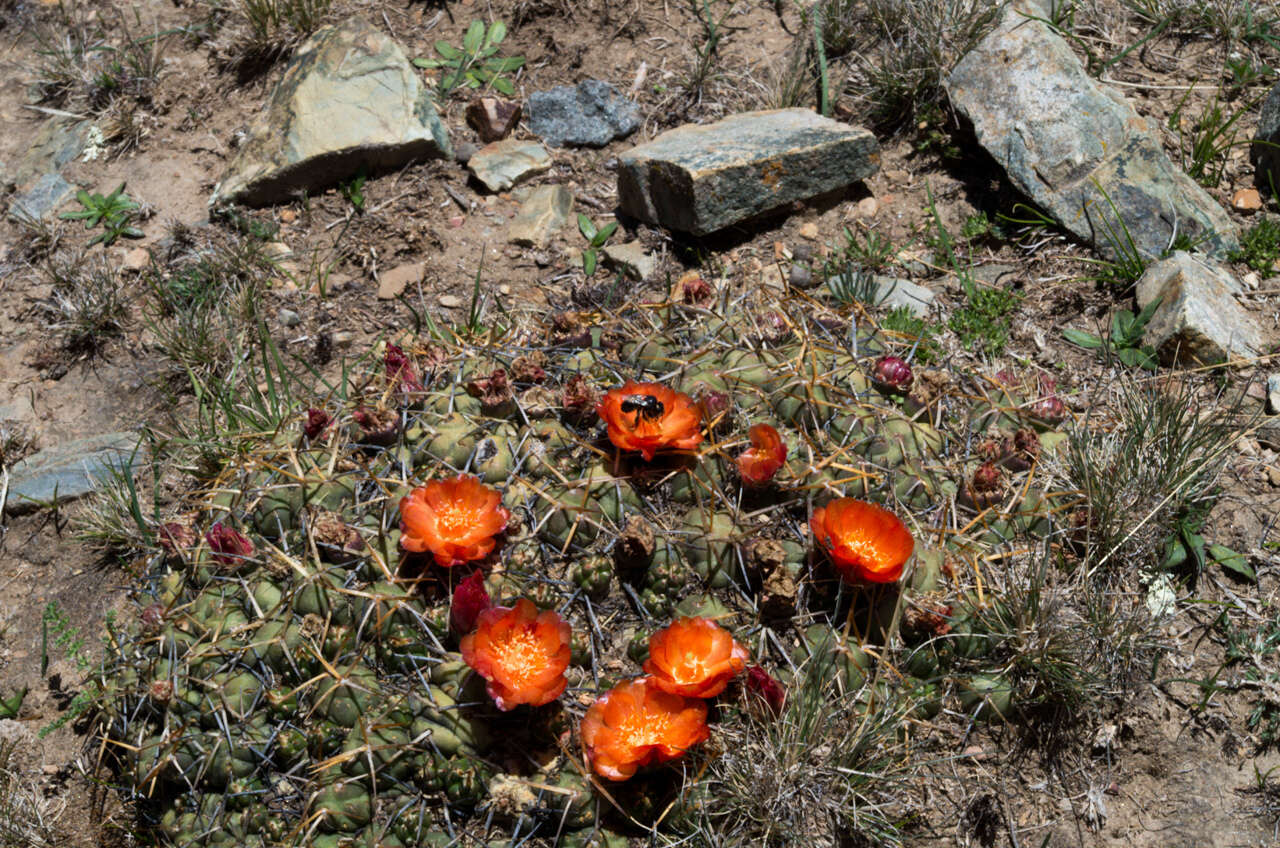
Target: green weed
(1260, 246)
(1125, 340)
(596, 238)
(922, 334)
(115, 212)
(984, 319)
(476, 64)
(68, 643)
(1208, 140)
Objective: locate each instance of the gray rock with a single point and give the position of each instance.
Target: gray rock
(288, 318)
(1075, 147)
(67, 471)
(502, 164)
(544, 212)
(892, 293)
(349, 100)
(1273, 394)
(59, 142)
(1265, 151)
(1199, 320)
(700, 179)
(44, 197)
(631, 259)
(590, 114)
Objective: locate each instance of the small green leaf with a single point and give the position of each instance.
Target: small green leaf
(1175, 554)
(506, 65)
(1194, 543)
(1232, 561)
(1131, 356)
(504, 86)
(474, 39)
(602, 235)
(447, 50)
(497, 32)
(1082, 339)
(589, 260)
(427, 63)
(585, 227)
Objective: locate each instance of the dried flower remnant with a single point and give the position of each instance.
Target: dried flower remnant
(176, 537)
(692, 289)
(377, 426)
(530, 368)
(694, 657)
(493, 391)
(470, 598)
(893, 373)
(400, 370)
(580, 396)
(635, 723)
(759, 463)
(230, 547)
(648, 417)
(336, 541)
(317, 421)
(866, 542)
(522, 654)
(456, 520)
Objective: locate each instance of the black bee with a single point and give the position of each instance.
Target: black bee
(646, 406)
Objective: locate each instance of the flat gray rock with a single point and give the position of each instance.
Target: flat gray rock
(1199, 321)
(544, 213)
(1265, 152)
(43, 197)
(68, 471)
(1075, 147)
(632, 259)
(893, 292)
(349, 100)
(59, 142)
(702, 178)
(502, 164)
(589, 114)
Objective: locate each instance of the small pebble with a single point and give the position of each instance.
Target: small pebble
(802, 252)
(289, 318)
(450, 301)
(801, 277)
(809, 230)
(1273, 476)
(342, 338)
(1246, 200)
(1273, 394)
(456, 221)
(867, 207)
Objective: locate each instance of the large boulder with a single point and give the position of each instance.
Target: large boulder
(1075, 147)
(349, 101)
(702, 178)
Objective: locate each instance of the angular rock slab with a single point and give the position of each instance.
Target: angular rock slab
(590, 114)
(1265, 152)
(700, 179)
(43, 198)
(1076, 148)
(348, 100)
(1199, 321)
(544, 212)
(68, 471)
(502, 164)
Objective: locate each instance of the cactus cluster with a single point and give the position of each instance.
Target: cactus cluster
(308, 690)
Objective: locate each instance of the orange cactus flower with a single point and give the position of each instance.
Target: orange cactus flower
(758, 463)
(647, 417)
(865, 542)
(456, 520)
(694, 657)
(636, 723)
(521, 652)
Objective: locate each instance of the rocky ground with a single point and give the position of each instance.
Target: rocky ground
(222, 216)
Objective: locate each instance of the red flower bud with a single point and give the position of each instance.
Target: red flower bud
(230, 547)
(317, 420)
(761, 685)
(692, 289)
(893, 372)
(1049, 408)
(176, 536)
(469, 600)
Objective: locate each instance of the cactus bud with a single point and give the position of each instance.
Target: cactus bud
(893, 373)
